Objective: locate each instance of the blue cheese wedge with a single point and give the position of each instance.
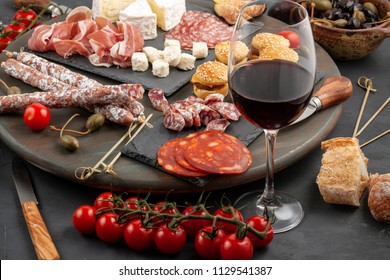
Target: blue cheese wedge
(169, 12)
(139, 14)
(108, 8)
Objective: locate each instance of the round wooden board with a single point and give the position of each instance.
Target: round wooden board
(43, 150)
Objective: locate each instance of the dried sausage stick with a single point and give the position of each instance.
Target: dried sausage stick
(55, 70)
(113, 113)
(32, 76)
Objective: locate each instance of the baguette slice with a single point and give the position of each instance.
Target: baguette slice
(343, 176)
(379, 197)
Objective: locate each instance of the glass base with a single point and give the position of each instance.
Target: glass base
(288, 211)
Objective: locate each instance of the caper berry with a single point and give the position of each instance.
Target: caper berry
(341, 23)
(371, 7)
(322, 5)
(95, 122)
(69, 142)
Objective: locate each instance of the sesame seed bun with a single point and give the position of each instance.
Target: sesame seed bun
(279, 53)
(222, 51)
(265, 39)
(210, 73)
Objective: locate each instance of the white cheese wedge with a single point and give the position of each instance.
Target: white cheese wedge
(139, 14)
(169, 12)
(108, 8)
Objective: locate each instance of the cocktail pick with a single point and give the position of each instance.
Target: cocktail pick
(375, 138)
(373, 116)
(368, 86)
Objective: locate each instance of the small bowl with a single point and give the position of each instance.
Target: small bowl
(352, 44)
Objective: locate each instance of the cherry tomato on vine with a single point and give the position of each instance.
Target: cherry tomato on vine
(36, 116)
(84, 219)
(25, 16)
(108, 229)
(193, 226)
(138, 237)
(259, 223)
(4, 42)
(233, 248)
(14, 29)
(292, 36)
(227, 212)
(159, 207)
(208, 242)
(103, 201)
(170, 241)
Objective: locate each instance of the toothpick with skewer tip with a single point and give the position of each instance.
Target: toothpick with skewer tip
(375, 138)
(373, 116)
(369, 88)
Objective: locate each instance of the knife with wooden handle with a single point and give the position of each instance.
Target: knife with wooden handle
(334, 90)
(43, 243)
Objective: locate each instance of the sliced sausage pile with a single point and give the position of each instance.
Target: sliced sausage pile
(197, 26)
(212, 112)
(203, 153)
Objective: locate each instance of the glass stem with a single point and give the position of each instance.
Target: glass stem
(268, 197)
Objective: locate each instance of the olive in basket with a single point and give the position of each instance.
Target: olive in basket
(349, 29)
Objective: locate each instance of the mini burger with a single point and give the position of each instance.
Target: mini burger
(210, 77)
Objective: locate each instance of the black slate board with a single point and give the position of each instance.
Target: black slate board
(175, 80)
(146, 151)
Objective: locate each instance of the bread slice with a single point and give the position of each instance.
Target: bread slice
(343, 175)
(379, 197)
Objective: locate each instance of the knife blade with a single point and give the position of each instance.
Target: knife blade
(334, 90)
(58, 10)
(42, 241)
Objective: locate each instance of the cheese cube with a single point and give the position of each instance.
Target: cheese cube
(187, 62)
(160, 68)
(200, 50)
(139, 14)
(169, 12)
(108, 8)
(172, 42)
(153, 54)
(139, 62)
(172, 55)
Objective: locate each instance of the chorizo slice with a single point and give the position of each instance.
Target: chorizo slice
(218, 153)
(167, 161)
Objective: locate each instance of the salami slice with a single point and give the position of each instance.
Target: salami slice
(226, 109)
(174, 121)
(167, 161)
(217, 125)
(158, 100)
(218, 153)
(208, 114)
(181, 147)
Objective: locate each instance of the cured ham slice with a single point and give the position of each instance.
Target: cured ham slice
(103, 43)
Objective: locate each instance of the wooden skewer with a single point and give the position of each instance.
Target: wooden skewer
(373, 116)
(367, 85)
(375, 138)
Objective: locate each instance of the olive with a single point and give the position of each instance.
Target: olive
(322, 5)
(341, 23)
(69, 142)
(371, 7)
(95, 122)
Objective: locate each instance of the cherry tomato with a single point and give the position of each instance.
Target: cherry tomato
(167, 209)
(14, 29)
(233, 248)
(104, 201)
(25, 16)
(227, 212)
(132, 203)
(138, 237)
(208, 242)
(170, 241)
(260, 223)
(108, 229)
(84, 219)
(36, 116)
(4, 42)
(193, 226)
(292, 36)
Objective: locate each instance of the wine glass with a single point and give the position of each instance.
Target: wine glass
(271, 86)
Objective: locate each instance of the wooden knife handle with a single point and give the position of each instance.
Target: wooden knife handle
(334, 90)
(43, 244)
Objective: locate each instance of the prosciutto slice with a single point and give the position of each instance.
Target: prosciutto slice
(103, 43)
